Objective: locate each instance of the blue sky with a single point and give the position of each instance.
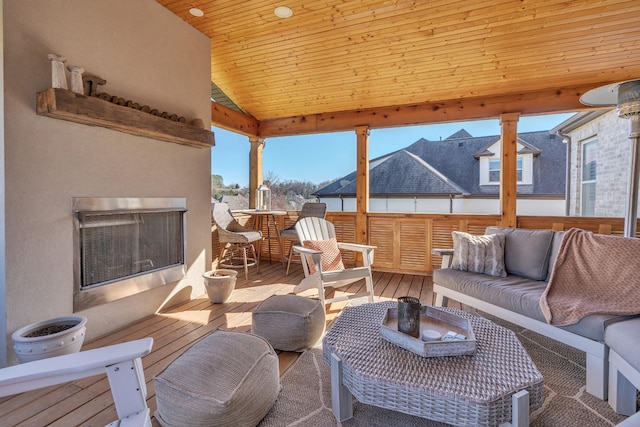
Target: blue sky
(322, 157)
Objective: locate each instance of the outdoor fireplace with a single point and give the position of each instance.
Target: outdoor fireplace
(123, 246)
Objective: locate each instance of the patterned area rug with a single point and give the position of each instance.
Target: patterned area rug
(305, 399)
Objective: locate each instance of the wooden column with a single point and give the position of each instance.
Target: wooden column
(508, 163)
(255, 168)
(362, 183)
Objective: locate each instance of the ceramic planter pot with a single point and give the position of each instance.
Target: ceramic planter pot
(53, 337)
(220, 284)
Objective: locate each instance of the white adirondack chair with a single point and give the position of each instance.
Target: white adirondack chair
(121, 362)
(309, 209)
(312, 228)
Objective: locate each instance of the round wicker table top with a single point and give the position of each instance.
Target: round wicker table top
(460, 390)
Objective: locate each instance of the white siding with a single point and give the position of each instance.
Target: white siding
(457, 205)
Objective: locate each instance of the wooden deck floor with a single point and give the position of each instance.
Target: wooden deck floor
(88, 402)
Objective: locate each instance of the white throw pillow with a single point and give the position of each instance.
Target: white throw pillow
(479, 254)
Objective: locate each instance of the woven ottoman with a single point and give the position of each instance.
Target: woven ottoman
(289, 322)
(226, 379)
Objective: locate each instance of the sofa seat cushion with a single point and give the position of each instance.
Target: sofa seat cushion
(517, 294)
(624, 338)
(526, 252)
(513, 293)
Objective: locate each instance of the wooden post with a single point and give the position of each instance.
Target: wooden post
(362, 184)
(255, 168)
(508, 164)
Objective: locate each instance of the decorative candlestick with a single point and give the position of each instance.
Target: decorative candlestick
(58, 75)
(76, 79)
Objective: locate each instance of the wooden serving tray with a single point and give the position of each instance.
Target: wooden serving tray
(437, 320)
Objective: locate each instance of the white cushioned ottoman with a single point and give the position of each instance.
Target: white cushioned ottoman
(225, 379)
(289, 322)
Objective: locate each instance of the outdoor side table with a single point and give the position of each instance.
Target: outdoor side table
(259, 217)
(498, 384)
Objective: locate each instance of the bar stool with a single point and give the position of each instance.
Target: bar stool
(237, 240)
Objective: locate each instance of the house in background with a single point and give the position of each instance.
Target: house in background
(599, 163)
(460, 174)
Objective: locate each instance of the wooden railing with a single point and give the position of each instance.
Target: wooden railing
(405, 240)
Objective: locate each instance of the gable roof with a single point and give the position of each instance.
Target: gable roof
(385, 179)
(451, 166)
(526, 149)
(460, 134)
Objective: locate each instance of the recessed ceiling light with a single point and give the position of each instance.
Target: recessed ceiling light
(283, 12)
(196, 12)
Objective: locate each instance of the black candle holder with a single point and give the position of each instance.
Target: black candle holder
(409, 316)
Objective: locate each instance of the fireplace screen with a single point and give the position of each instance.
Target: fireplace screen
(121, 245)
(125, 246)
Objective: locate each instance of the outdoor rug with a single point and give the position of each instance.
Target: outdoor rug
(305, 398)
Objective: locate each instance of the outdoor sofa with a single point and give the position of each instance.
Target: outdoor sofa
(623, 340)
(522, 295)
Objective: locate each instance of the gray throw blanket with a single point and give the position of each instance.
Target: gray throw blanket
(593, 273)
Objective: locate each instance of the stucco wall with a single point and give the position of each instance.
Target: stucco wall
(613, 154)
(3, 281)
(146, 54)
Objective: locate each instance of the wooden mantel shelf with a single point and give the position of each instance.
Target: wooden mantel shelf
(66, 105)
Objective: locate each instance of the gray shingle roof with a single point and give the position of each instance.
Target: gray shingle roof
(450, 167)
(221, 98)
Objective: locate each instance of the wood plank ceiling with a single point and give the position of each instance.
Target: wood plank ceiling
(340, 57)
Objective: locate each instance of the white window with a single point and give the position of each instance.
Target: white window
(494, 170)
(588, 190)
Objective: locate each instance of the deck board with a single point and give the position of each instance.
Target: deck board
(88, 401)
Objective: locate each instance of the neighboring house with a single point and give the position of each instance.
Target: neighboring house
(599, 162)
(460, 174)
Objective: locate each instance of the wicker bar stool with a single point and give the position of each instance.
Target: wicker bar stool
(235, 240)
(317, 210)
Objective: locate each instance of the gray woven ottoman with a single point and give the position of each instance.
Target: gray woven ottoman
(226, 379)
(289, 322)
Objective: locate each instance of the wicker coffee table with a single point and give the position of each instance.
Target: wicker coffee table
(497, 385)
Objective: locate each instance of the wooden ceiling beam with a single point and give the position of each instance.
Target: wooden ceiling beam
(541, 102)
(234, 121)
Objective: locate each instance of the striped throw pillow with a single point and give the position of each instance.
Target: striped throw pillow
(479, 254)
